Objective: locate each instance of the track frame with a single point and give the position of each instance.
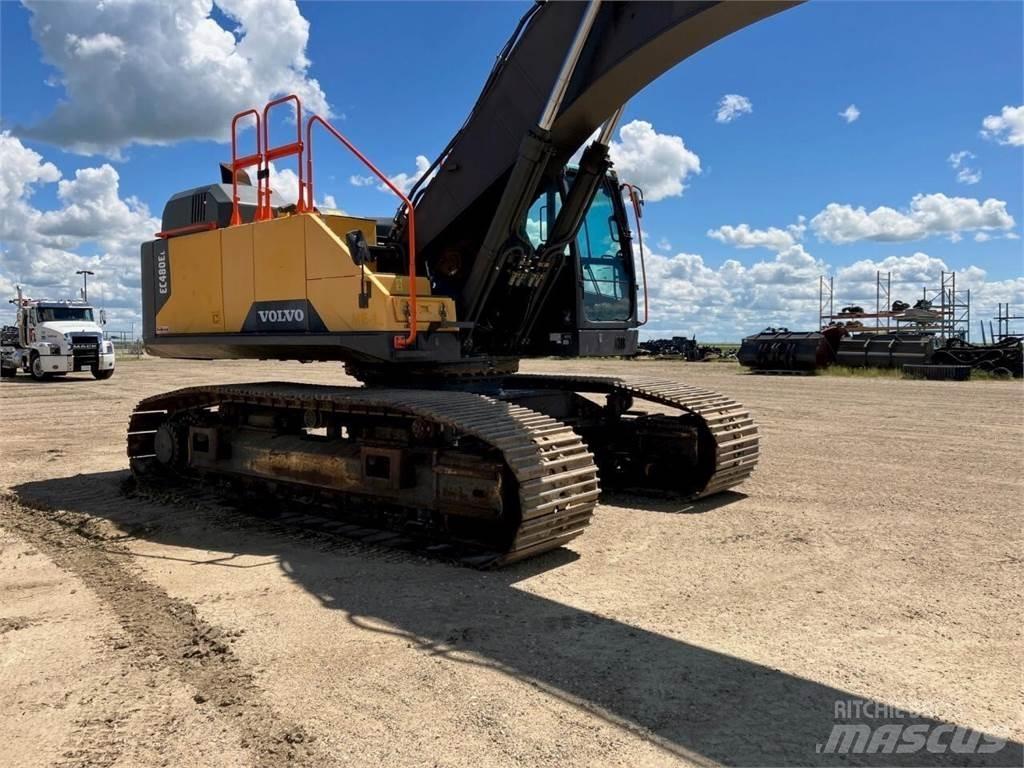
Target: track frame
(505, 472)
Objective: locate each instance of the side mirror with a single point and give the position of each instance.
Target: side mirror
(358, 248)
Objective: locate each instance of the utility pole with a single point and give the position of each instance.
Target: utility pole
(85, 282)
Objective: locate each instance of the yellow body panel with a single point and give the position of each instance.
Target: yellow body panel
(341, 224)
(239, 293)
(216, 277)
(326, 253)
(278, 263)
(196, 303)
(398, 285)
(340, 316)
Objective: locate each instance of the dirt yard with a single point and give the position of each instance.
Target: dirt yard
(876, 554)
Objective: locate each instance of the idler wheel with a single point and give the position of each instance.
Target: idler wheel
(167, 445)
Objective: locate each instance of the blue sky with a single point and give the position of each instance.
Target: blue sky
(400, 77)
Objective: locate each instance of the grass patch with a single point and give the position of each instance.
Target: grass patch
(977, 375)
(725, 346)
(842, 371)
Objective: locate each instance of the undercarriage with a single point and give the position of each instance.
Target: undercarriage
(499, 469)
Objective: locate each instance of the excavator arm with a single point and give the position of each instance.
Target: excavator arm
(527, 122)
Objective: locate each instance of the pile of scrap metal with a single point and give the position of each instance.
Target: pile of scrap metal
(779, 350)
(678, 347)
(1004, 357)
(921, 313)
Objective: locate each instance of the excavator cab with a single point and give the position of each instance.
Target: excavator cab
(593, 305)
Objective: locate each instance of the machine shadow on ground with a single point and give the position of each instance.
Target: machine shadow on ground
(691, 701)
(666, 504)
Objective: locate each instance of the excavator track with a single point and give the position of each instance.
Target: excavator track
(554, 475)
(543, 496)
(730, 435)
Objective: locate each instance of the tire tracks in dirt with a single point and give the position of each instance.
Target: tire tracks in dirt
(159, 631)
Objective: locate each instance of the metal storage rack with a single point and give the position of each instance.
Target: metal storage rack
(952, 305)
(1003, 320)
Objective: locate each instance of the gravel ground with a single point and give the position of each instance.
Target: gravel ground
(875, 555)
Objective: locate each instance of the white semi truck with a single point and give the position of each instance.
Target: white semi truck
(54, 338)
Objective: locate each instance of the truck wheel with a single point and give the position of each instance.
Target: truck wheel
(36, 369)
(8, 373)
(102, 374)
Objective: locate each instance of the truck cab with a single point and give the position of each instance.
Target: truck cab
(54, 338)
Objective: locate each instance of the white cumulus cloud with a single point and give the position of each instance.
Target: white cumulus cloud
(284, 183)
(405, 181)
(733, 300)
(927, 215)
(92, 227)
(850, 114)
(659, 163)
(743, 236)
(689, 296)
(20, 170)
(156, 73)
(731, 106)
(960, 162)
(1006, 127)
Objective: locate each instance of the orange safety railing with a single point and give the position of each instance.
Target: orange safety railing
(238, 163)
(636, 197)
(270, 153)
(401, 342)
(265, 154)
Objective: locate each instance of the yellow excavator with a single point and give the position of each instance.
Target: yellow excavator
(501, 251)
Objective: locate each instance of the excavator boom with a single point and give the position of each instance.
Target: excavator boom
(629, 45)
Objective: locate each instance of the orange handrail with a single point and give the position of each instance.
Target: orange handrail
(188, 229)
(636, 197)
(401, 342)
(237, 163)
(284, 150)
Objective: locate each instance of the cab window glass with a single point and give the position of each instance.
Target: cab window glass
(56, 314)
(605, 280)
(537, 220)
(540, 216)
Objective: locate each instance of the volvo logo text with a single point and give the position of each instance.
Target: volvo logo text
(281, 315)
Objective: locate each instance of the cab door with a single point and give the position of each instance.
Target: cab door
(604, 265)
